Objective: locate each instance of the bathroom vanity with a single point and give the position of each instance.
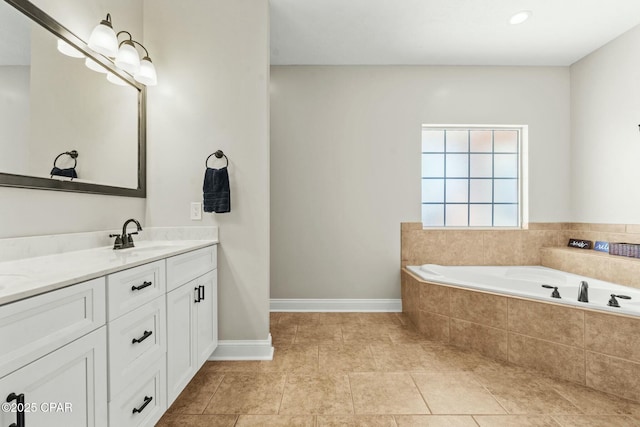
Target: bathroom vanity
(102, 337)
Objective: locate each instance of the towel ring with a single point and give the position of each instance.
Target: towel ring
(219, 154)
(73, 154)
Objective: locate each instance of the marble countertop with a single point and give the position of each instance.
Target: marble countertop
(28, 277)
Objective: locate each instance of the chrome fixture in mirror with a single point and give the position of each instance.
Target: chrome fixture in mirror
(53, 103)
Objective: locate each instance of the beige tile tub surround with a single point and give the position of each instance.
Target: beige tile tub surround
(596, 349)
(540, 244)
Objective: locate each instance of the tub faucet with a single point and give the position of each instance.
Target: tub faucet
(583, 294)
(125, 240)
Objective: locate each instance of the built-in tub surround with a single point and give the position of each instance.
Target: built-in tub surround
(539, 244)
(594, 348)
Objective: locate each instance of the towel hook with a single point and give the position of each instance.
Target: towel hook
(219, 154)
(73, 154)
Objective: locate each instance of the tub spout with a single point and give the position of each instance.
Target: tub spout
(583, 294)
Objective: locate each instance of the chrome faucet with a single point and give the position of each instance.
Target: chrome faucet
(583, 294)
(125, 240)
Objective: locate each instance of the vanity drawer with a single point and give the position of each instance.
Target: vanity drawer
(35, 326)
(136, 340)
(129, 289)
(130, 408)
(185, 267)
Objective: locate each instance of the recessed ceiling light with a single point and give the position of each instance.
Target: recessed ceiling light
(520, 17)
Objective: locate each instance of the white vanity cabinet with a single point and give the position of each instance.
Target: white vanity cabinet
(114, 351)
(192, 325)
(53, 358)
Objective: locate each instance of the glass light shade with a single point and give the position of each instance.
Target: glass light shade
(128, 58)
(93, 65)
(67, 49)
(103, 39)
(116, 80)
(147, 74)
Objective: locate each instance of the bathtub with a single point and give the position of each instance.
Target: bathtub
(527, 281)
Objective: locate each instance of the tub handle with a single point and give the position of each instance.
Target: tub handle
(613, 302)
(555, 293)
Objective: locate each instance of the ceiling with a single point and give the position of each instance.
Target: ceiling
(444, 32)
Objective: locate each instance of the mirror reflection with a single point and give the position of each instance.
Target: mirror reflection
(52, 104)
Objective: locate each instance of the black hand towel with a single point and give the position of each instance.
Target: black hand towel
(69, 173)
(217, 196)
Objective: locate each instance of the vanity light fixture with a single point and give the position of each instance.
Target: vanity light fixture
(520, 17)
(103, 39)
(142, 70)
(67, 49)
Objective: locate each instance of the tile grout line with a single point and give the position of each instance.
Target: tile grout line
(353, 403)
(213, 394)
(284, 388)
(421, 395)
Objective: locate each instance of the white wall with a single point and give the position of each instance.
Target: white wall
(345, 162)
(605, 142)
(28, 212)
(14, 109)
(213, 69)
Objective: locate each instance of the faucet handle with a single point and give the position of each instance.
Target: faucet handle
(555, 293)
(118, 242)
(613, 302)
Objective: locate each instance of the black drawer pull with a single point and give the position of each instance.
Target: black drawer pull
(197, 294)
(144, 336)
(19, 398)
(201, 288)
(147, 400)
(144, 285)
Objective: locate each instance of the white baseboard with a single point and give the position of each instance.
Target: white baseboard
(243, 350)
(346, 305)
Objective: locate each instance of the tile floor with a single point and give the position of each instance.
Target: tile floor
(374, 369)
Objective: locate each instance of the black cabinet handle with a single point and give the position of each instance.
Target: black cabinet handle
(147, 400)
(144, 285)
(144, 336)
(197, 294)
(201, 295)
(19, 398)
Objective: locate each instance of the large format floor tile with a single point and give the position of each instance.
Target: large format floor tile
(377, 370)
(386, 393)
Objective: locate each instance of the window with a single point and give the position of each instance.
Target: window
(471, 176)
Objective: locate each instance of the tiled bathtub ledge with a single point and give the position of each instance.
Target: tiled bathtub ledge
(595, 349)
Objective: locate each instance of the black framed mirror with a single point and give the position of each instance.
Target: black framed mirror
(51, 103)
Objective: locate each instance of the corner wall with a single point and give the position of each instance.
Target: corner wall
(345, 164)
(212, 59)
(605, 143)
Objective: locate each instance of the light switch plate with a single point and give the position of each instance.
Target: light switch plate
(196, 211)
